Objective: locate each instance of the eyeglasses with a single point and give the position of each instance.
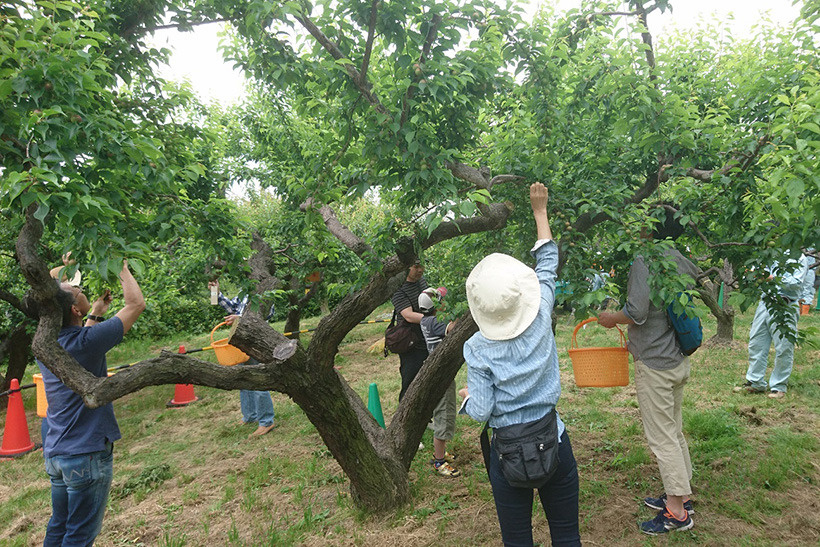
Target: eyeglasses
(78, 293)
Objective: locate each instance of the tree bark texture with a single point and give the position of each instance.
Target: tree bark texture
(376, 460)
(18, 349)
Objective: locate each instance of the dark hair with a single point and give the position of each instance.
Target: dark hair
(65, 300)
(669, 227)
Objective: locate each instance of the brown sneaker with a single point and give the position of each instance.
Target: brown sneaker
(262, 430)
(774, 394)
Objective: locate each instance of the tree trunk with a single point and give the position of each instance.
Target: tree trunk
(19, 354)
(376, 460)
(294, 317)
(368, 456)
(724, 316)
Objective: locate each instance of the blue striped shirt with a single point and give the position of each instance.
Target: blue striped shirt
(517, 381)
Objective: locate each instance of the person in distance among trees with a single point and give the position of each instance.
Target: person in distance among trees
(256, 406)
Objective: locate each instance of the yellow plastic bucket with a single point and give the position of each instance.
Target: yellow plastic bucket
(40, 388)
(227, 354)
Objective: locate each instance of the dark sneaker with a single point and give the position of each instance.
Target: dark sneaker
(666, 522)
(660, 503)
(747, 387)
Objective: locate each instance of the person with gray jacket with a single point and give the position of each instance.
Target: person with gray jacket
(661, 372)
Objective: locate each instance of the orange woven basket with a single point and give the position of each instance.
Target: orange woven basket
(599, 367)
(227, 354)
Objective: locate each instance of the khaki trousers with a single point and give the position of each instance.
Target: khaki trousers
(660, 396)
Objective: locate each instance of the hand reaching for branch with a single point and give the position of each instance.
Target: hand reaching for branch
(538, 197)
(101, 304)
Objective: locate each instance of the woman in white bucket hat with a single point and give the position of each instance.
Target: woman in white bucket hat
(512, 378)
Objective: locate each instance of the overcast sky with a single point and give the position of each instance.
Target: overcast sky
(196, 57)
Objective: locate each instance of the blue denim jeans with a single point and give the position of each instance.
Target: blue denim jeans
(257, 406)
(559, 497)
(79, 493)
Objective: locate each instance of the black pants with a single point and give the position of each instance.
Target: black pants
(410, 365)
(559, 498)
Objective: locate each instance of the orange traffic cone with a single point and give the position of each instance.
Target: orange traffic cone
(16, 440)
(183, 393)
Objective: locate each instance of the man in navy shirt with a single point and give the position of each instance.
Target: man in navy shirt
(79, 443)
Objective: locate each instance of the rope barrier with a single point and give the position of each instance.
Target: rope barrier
(195, 350)
(311, 330)
(21, 388)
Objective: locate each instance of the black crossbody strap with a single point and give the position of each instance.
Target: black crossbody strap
(484, 439)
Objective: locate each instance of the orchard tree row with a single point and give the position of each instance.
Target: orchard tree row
(375, 132)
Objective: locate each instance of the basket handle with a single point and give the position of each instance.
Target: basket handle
(214, 330)
(574, 342)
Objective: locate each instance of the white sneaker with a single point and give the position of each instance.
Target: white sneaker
(421, 446)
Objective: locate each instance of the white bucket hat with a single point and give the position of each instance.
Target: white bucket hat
(76, 280)
(504, 296)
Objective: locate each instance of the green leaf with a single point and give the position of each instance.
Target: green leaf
(42, 212)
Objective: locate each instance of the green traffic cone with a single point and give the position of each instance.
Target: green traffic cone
(374, 405)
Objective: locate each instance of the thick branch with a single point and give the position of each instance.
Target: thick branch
(494, 218)
(434, 378)
(173, 368)
(469, 174)
(703, 238)
(651, 183)
(432, 31)
(44, 343)
(353, 309)
(741, 160)
(262, 266)
(647, 39)
(342, 232)
(359, 80)
(371, 33)
(17, 304)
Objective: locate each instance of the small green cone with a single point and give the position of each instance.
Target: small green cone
(374, 405)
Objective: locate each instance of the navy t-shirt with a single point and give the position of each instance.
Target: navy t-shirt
(74, 428)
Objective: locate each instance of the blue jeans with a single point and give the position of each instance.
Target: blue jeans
(79, 493)
(257, 406)
(559, 497)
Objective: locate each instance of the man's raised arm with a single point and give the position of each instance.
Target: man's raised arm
(134, 301)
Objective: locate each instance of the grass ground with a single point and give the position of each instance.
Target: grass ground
(191, 476)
